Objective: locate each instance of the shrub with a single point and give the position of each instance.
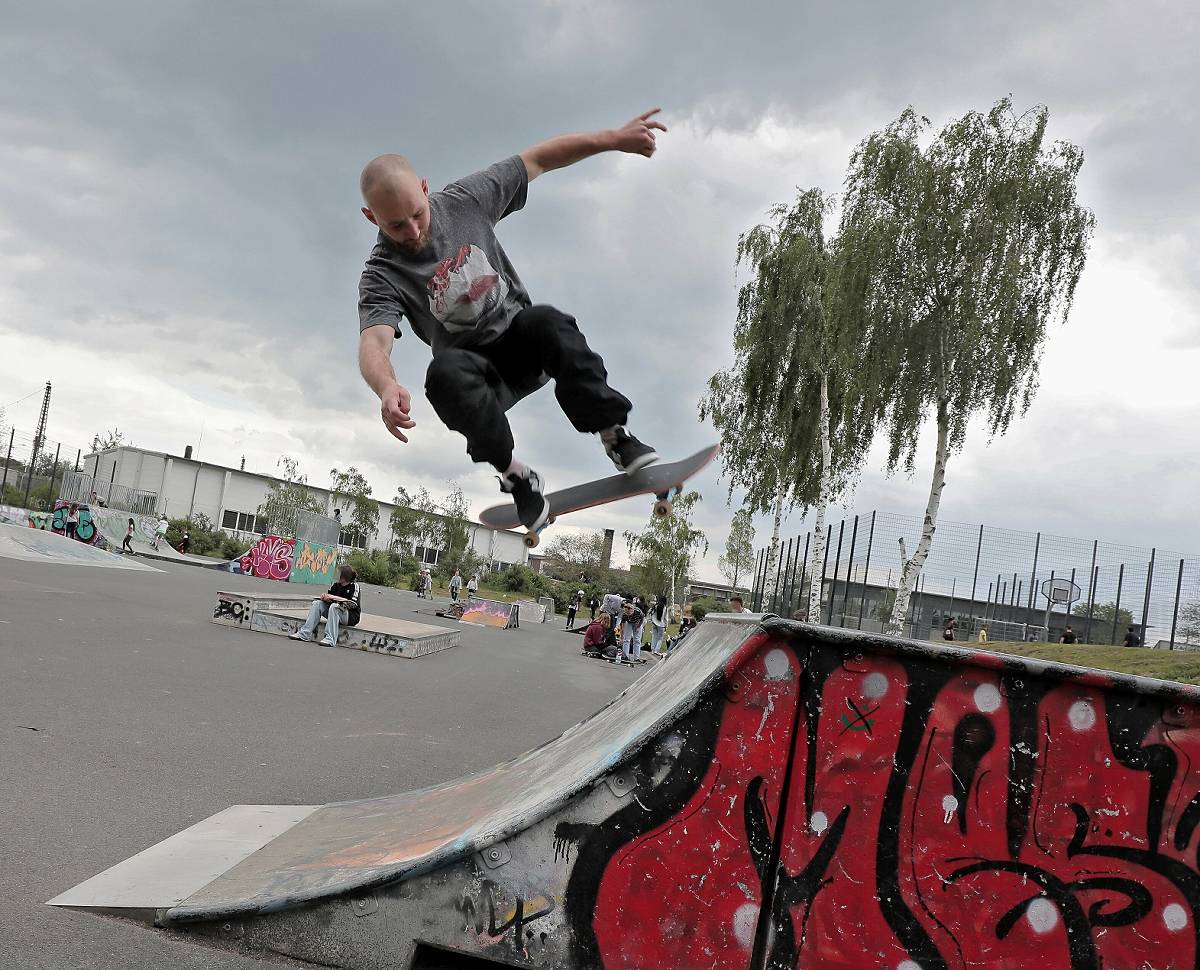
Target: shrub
(378, 568)
(703, 606)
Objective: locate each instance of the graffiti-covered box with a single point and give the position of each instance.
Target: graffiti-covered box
(291, 560)
(235, 609)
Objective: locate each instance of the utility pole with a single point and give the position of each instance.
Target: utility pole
(38, 440)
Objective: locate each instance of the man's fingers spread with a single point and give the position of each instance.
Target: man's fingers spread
(650, 113)
(656, 124)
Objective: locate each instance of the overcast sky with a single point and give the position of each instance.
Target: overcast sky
(180, 239)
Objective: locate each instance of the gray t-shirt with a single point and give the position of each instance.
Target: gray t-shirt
(461, 291)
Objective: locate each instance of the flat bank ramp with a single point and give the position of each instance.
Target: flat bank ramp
(775, 795)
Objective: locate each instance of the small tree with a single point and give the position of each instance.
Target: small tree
(739, 548)
(426, 521)
(110, 439)
(959, 256)
(580, 553)
(1189, 621)
(285, 496)
(664, 551)
(1103, 616)
(454, 534)
(350, 488)
(402, 523)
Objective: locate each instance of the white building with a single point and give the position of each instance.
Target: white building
(230, 498)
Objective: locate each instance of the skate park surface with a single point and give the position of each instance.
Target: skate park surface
(128, 715)
(900, 804)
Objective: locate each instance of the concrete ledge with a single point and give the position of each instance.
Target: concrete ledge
(376, 634)
(235, 609)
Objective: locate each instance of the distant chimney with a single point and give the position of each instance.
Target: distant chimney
(606, 552)
(187, 452)
(242, 468)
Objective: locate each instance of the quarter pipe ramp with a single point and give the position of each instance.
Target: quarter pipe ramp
(775, 795)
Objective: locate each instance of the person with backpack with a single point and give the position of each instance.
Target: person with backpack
(126, 542)
(340, 604)
(472, 586)
(160, 531)
(573, 607)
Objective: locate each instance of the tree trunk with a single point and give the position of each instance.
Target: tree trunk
(912, 567)
(773, 554)
(817, 566)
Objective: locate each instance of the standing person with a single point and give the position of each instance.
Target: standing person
(631, 632)
(455, 586)
(340, 604)
(428, 584)
(950, 629)
(737, 604)
(472, 586)
(658, 623)
(126, 542)
(573, 607)
(160, 530)
(593, 605)
(437, 261)
(72, 520)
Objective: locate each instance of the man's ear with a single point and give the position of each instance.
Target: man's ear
(370, 216)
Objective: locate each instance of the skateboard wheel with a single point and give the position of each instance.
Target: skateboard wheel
(531, 540)
(550, 521)
(662, 508)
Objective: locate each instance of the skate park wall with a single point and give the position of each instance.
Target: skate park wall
(491, 613)
(291, 560)
(775, 795)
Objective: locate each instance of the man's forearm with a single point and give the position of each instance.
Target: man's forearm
(566, 150)
(375, 365)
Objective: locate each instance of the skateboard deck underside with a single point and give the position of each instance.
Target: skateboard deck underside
(657, 479)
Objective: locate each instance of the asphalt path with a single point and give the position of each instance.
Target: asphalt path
(126, 716)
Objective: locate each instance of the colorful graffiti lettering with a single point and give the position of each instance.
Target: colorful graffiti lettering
(315, 563)
(270, 558)
(85, 531)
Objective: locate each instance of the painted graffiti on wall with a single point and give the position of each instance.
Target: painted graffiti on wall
(935, 816)
(86, 531)
(270, 558)
(314, 563)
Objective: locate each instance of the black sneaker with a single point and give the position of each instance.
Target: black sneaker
(532, 508)
(629, 454)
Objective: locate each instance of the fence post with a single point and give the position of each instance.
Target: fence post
(1146, 601)
(785, 561)
(1049, 605)
(803, 587)
(789, 579)
(7, 459)
(54, 472)
(78, 455)
(849, 566)
(758, 580)
(953, 589)
(1087, 633)
(1175, 613)
(775, 588)
(862, 600)
(975, 577)
(837, 560)
(824, 568)
(1037, 545)
(1112, 640)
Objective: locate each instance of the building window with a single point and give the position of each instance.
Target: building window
(427, 555)
(243, 522)
(353, 538)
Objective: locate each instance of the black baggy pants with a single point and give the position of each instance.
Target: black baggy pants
(471, 388)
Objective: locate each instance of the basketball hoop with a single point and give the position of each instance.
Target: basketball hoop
(1060, 591)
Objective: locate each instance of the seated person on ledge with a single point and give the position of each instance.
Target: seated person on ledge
(340, 605)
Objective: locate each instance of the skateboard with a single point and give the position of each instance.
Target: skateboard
(664, 480)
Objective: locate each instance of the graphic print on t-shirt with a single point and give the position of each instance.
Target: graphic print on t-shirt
(464, 289)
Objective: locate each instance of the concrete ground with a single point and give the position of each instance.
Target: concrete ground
(126, 716)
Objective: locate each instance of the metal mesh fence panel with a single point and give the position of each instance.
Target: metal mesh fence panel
(992, 582)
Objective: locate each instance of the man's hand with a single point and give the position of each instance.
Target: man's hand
(637, 135)
(394, 408)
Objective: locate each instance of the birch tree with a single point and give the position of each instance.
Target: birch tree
(665, 550)
(739, 548)
(960, 255)
(790, 431)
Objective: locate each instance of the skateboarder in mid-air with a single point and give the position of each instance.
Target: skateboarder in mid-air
(437, 261)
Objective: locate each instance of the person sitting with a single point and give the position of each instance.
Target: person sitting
(596, 635)
(341, 604)
(1068, 636)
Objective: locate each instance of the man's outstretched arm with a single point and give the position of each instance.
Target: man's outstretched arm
(635, 136)
(375, 365)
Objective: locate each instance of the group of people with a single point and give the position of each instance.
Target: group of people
(455, 585)
(618, 625)
(71, 530)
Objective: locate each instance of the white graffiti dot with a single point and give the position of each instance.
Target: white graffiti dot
(1082, 715)
(745, 922)
(1175, 917)
(777, 664)
(875, 685)
(908, 965)
(820, 822)
(1042, 915)
(987, 698)
(949, 806)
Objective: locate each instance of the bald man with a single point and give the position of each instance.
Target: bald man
(437, 261)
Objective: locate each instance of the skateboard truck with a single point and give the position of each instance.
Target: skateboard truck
(533, 536)
(662, 508)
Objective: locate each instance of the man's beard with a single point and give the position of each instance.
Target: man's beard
(415, 246)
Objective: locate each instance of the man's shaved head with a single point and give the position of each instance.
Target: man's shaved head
(396, 201)
(387, 172)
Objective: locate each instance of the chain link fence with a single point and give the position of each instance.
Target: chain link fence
(32, 469)
(989, 580)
